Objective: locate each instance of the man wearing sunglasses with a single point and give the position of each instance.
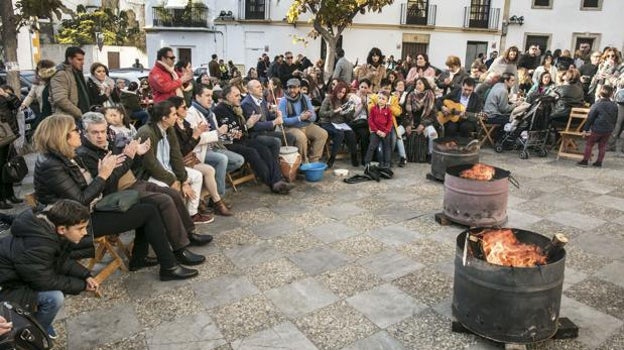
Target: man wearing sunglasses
(163, 79)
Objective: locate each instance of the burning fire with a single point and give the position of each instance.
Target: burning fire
(448, 146)
(501, 247)
(479, 172)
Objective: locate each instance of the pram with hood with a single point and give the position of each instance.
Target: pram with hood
(529, 130)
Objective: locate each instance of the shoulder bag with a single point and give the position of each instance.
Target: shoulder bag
(15, 169)
(118, 202)
(26, 334)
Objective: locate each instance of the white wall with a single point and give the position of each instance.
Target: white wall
(127, 54)
(564, 19)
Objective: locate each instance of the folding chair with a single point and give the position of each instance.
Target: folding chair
(486, 133)
(240, 176)
(572, 134)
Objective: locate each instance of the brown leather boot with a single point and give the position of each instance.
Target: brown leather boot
(221, 209)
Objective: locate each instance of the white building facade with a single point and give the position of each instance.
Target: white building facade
(564, 24)
(437, 27)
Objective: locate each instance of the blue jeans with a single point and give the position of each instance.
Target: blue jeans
(223, 161)
(48, 305)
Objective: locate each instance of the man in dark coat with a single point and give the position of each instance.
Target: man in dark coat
(35, 267)
(472, 103)
(178, 224)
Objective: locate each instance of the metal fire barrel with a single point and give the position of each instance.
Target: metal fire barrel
(442, 158)
(475, 203)
(508, 304)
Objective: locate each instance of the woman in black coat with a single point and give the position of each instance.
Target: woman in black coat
(9, 104)
(60, 175)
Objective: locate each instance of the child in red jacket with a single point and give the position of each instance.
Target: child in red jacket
(380, 124)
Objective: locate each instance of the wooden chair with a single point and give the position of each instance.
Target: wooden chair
(240, 176)
(105, 244)
(486, 132)
(572, 134)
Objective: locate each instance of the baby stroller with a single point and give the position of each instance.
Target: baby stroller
(529, 130)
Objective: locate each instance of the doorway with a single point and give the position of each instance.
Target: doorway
(184, 54)
(113, 60)
(413, 49)
(473, 49)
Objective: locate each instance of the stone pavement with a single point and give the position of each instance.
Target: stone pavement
(364, 266)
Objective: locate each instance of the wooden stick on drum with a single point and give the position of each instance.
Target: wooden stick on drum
(281, 126)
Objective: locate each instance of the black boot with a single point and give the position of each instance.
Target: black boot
(177, 272)
(354, 160)
(137, 264)
(199, 240)
(402, 162)
(187, 257)
(330, 161)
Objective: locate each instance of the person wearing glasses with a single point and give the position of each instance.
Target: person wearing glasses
(163, 79)
(288, 68)
(609, 69)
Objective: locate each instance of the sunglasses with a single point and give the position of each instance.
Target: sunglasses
(289, 58)
(171, 57)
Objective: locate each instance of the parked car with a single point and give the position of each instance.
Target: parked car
(27, 79)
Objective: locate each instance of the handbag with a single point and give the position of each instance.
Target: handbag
(26, 334)
(15, 169)
(118, 202)
(190, 160)
(6, 134)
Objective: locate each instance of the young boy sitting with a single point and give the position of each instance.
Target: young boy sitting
(35, 268)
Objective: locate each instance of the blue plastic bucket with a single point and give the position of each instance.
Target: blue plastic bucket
(313, 171)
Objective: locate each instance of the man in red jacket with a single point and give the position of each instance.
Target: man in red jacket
(163, 79)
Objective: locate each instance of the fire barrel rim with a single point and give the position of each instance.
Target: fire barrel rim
(508, 304)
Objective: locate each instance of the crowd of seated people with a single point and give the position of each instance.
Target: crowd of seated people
(96, 138)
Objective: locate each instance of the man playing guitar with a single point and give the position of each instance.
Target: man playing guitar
(457, 109)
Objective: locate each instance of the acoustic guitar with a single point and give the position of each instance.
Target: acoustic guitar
(456, 112)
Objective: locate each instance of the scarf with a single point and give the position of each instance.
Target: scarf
(423, 102)
(174, 76)
(83, 95)
(102, 85)
(206, 113)
(290, 104)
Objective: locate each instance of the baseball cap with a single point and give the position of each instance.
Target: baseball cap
(293, 82)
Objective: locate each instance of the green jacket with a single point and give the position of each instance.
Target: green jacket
(150, 166)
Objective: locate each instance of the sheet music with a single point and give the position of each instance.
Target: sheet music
(342, 126)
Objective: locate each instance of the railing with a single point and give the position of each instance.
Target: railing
(254, 9)
(481, 17)
(193, 16)
(419, 13)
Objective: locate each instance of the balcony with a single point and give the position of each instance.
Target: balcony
(418, 13)
(195, 16)
(254, 10)
(481, 17)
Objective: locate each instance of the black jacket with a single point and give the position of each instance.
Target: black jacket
(89, 155)
(475, 104)
(8, 111)
(57, 177)
(35, 258)
(96, 98)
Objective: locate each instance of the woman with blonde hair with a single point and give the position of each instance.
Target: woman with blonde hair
(609, 69)
(59, 174)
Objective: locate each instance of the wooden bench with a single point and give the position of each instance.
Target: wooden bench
(105, 244)
(240, 176)
(572, 134)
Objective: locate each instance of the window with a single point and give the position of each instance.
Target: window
(542, 4)
(591, 4)
(479, 14)
(473, 49)
(417, 12)
(541, 40)
(254, 9)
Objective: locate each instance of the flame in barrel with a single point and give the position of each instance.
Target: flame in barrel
(479, 172)
(501, 247)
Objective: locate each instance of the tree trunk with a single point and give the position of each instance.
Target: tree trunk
(330, 55)
(9, 40)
